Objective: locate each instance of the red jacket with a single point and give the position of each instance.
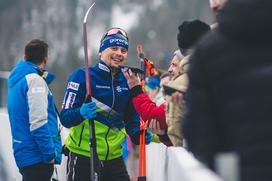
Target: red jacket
(149, 110)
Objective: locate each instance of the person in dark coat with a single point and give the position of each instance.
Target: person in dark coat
(230, 85)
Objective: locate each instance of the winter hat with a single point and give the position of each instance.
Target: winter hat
(113, 40)
(190, 32)
(152, 83)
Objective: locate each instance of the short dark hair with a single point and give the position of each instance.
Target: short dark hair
(36, 50)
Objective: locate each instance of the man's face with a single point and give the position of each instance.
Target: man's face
(114, 56)
(174, 67)
(217, 5)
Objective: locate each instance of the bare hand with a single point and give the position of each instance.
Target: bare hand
(132, 79)
(154, 127)
(177, 98)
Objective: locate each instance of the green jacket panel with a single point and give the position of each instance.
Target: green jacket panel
(108, 140)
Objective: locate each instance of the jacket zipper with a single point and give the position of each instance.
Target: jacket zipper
(113, 93)
(108, 148)
(113, 100)
(81, 136)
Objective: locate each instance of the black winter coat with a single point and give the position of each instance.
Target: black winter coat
(229, 98)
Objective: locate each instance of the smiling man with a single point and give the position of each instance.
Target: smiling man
(112, 110)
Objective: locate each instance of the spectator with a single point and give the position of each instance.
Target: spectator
(147, 109)
(189, 33)
(229, 94)
(216, 6)
(168, 115)
(174, 65)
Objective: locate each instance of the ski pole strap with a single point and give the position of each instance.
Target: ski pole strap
(149, 65)
(141, 56)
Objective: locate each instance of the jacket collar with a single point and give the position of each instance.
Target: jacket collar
(103, 66)
(106, 69)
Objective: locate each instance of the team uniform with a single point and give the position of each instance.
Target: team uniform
(115, 118)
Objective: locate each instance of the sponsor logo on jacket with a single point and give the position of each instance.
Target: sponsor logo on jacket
(70, 100)
(120, 89)
(102, 87)
(73, 86)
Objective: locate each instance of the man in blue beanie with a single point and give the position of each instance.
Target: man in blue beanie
(111, 108)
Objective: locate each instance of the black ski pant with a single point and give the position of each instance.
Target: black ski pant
(78, 169)
(37, 172)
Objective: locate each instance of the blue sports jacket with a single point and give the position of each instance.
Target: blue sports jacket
(33, 117)
(115, 110)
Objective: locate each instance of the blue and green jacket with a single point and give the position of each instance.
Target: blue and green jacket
(115, 116)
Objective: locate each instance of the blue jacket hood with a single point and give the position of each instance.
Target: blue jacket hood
(20, 70)
(25, 67)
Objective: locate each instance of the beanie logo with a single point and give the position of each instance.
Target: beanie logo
(118, 41)
(114, 40)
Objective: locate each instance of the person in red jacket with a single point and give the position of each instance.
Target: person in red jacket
(148, 110)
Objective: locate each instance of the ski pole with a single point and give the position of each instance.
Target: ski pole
(142, 151)
(94, 161)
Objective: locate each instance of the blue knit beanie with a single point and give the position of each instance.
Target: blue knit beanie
(113, 40)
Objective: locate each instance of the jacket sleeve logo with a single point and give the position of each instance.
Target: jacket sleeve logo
(70, 100)
(73, 86)
(36, 90)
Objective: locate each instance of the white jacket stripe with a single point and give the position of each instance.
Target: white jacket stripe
(37, 101)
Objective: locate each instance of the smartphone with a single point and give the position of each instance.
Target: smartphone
(170, 90)
(133, 69)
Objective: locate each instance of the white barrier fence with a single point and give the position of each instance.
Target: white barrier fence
(175, 163)
(163, 163)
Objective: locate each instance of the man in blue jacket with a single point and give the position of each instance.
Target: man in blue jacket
(112, 110)
(33, 116)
